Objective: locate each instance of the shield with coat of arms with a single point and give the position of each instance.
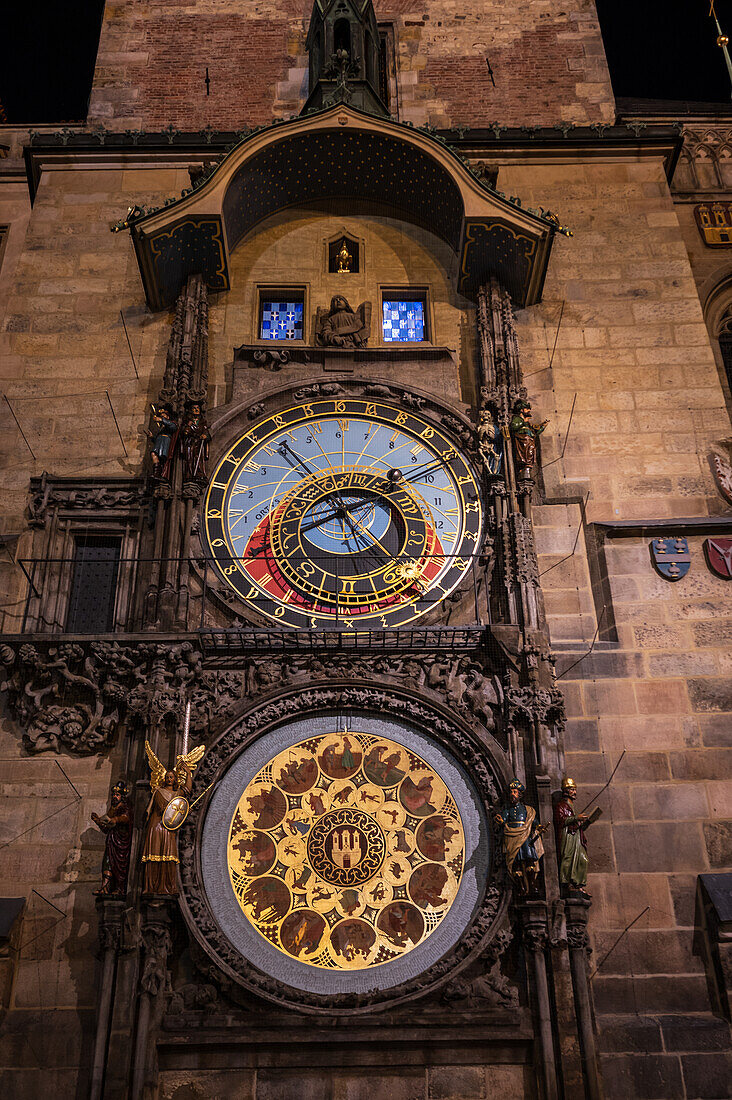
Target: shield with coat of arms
(671, 557)
(175, 813)
(719, 557)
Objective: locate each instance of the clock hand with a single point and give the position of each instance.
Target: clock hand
(284, 448)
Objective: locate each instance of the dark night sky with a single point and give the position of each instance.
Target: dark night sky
(657, 49)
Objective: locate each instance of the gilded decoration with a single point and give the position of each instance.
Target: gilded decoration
(346, 851)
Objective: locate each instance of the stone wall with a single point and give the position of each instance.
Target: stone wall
(548, 62)
(50, 853)
(633, 349)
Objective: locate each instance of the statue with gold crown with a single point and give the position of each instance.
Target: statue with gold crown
(167, 810)
(571, 842)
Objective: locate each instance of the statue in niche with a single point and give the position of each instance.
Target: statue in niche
(522, 846)
(525, 435)
(164, 435)
(571, 843)
(342, 327)
(195, 442)
(490, 443)
(167, 810)
(116, 824)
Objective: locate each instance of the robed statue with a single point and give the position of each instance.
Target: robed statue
(522, 846)
(342, 327)
(525, 434)
(167, 810)
(195, 443)
(571, 841)
(164, 435)
(116, 824)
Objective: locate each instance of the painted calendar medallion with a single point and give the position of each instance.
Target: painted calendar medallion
(346, 851)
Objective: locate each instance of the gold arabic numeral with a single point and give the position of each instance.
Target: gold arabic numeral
(383, 620)
(229, 570)
(344, 425)
(280, 612)
(252, 593)
(371, 410)
(401, 419)
(340, 406)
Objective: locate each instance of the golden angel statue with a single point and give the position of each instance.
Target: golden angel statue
(167, 810)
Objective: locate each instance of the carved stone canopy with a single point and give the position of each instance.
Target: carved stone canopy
(342, 154)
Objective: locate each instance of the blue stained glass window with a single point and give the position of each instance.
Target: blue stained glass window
(281, 320)
(403, 320)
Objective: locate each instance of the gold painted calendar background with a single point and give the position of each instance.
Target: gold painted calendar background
(346, 851)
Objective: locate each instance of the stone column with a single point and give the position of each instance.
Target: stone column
(157, 920)
(110, 937)
(535, 939)
(578, 942)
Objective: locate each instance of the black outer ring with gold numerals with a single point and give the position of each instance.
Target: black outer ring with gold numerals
(300, 610)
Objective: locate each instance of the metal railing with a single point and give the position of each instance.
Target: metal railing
(193, 594)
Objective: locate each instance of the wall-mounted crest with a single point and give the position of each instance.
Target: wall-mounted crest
(671, 557)
(719, 557)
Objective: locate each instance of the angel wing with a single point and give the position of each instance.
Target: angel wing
(157, 771)
(188, 763)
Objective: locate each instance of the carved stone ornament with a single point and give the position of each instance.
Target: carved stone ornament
(157, 943)
(482, 986)
(72, 697)
(535, 938)
(48, 494)
(339, 326)
(577, 938)
(438, 723)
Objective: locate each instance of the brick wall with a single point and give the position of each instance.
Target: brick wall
(548, 61)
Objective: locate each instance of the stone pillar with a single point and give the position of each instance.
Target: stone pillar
(157, 919)
(577, 940)
(535, 939)
(110, 937)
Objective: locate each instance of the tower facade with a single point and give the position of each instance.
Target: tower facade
(363, 536)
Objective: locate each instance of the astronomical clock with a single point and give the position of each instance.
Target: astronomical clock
(345, 849)
(347, 511)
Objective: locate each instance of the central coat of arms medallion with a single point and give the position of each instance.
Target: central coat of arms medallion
(346, 851)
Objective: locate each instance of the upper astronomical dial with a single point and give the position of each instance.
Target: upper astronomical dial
(343, 512)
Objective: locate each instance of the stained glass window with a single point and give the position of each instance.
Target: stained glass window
(403, 320)
(281, 320)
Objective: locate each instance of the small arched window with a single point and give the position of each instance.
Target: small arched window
(342, 36)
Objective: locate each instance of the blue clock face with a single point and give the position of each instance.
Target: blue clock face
(343, 512)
